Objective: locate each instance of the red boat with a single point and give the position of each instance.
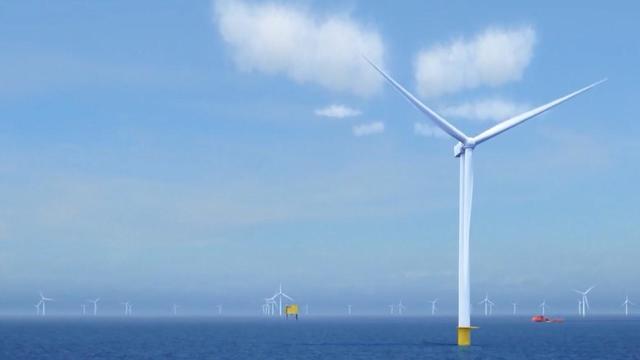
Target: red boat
(541, 318)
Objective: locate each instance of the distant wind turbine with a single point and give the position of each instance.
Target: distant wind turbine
(543, 305)
(464, 150)
(401, 308)
(281, 295)
(626, 304)
(515, 308)
(488, 305)
(585, 301)
(43, 300)
(433, 306)
(175, 309)
(95, 305)
(127, 308)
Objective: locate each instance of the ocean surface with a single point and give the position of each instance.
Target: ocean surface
(315, 338)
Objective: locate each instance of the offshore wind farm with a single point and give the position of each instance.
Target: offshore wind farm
(257, 179)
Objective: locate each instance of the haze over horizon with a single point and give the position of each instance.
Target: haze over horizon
(204, 152)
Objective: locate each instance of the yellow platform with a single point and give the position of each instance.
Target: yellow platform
(464, 335)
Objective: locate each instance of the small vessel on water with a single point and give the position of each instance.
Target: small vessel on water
(544, 319)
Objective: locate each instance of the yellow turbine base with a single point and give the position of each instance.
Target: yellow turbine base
(464, 336)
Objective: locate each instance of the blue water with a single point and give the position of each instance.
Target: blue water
(351, 338)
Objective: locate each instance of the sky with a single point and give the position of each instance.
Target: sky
(204, 152)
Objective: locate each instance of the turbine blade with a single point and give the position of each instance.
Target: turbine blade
(519, 119)
(437, 119)
(589, 289)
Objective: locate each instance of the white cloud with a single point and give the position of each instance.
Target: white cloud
(274, 38)
(337, 111)
(372, 128)
(485, 110)
(427, 130)
(494, 57)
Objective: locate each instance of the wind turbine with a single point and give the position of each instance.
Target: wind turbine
(626, 304)
(585, 301)
(43, 301)
(127, 308)
(515, 308)
(401, 308)
(280, 295)
(95, 306)
(433, 306)
(488, 305)
(579, 307)
(464, 151)
(543, 305)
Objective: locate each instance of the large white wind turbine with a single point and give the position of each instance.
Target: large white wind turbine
(95, 305)
(464, 150)
(626, 304)
(584, 302)
(43, 301)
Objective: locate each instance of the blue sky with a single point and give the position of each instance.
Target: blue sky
(202, 152)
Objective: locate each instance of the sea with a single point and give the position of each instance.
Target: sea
(369, 338)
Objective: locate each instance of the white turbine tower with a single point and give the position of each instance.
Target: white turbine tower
(95, 305)
(401, 308)
(127, 308)
(433, 306)
(515, 308)
(584, 301)
(43, 301)
(281, 295)
(626, 304)
(270, 305)
(488, 305)
(464, 150)
(579, 307)
(543, 306)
